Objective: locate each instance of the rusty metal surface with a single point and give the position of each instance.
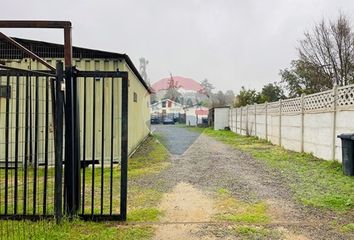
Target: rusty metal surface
(30, 53)
(68, 49)
(66, 25)
(34, 24)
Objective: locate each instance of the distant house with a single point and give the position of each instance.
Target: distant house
(196, 115)
(192, 116)
(167, 108)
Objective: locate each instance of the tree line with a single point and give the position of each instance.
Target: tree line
(325, 58)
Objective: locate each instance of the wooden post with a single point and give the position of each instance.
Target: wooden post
(302, 122)
(334, 108)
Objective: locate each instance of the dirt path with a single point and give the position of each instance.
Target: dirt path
(185, 208)
(192, 204)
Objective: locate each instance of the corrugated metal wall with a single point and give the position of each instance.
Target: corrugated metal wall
(139, 111)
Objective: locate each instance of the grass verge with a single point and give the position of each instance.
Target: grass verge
(150, 158)
(315, 182)
(75, 229)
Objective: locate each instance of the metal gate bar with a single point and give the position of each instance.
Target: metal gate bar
(101, 205)
(23, 193)
(58, 138)
(72, 195)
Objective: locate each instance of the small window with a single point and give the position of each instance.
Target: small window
(135, 97)
(5, 91)
(163, 104)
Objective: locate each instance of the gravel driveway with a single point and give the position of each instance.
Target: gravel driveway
(209, 165)
(177, 139)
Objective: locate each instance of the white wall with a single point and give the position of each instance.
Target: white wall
(221, 118)
(191, 120)
(309, 123)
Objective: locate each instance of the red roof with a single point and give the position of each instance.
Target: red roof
(201, 112)
(182, 82)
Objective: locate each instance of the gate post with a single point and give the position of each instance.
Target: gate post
(77, 157)
(72, 145)
(124, 148)
(72, 128)
(58, 138)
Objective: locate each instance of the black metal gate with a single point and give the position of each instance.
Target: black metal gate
(103, 144)
(63, 144)
(26, 143)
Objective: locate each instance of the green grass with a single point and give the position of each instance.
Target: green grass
(75, 229)
(150, 158)
(252, 232)
(234, 210)
(348, 228)
(89, 178)
(192, 128)
(160, 137)
(314, 182)
(247, 231)
(144, 215)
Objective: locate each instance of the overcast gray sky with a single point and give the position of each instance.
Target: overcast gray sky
(230, 42)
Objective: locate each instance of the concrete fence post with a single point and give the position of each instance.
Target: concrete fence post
(255, 120)
(266, 121)
(230, 118)
(334, 125)
(302, 123)
(247, 130)
(241, 121)
(236, 120)
(280, 110)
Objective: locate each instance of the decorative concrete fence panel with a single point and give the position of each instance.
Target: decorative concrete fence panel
(309, 123)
